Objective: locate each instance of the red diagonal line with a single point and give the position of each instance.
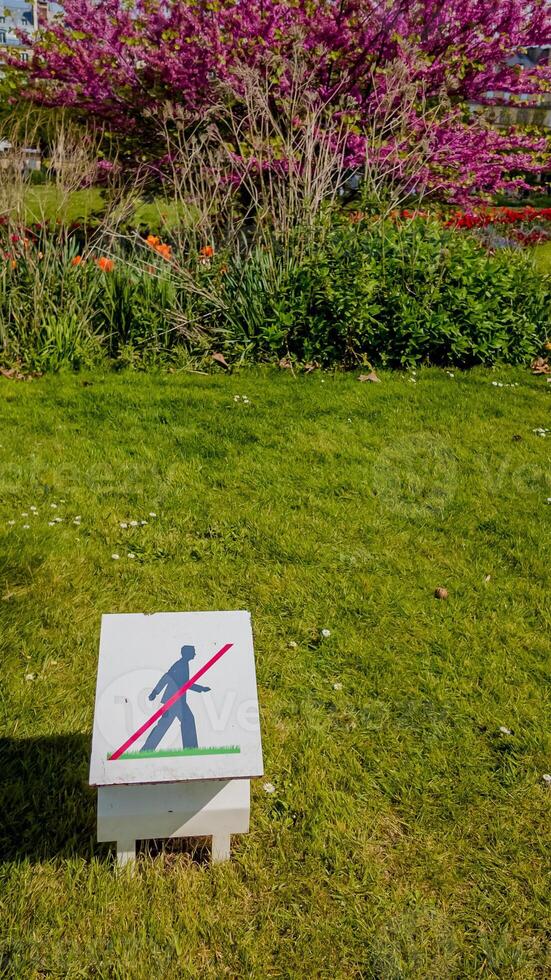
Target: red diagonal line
(172, 700)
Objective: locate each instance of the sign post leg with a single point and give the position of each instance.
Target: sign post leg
(220, 848)
(126, 851)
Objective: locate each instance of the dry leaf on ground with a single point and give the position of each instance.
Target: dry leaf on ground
(14, 374)
(220, 359)
(540, 366)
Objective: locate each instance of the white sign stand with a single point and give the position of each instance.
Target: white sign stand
(176, 729)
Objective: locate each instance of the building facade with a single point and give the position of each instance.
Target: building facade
(19, 19)
(523, 110)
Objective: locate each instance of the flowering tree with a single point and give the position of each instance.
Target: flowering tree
(133, 66)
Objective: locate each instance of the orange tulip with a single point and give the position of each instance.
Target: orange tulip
(105, 264)
(153, 241)
(207, 251)
(76, 260)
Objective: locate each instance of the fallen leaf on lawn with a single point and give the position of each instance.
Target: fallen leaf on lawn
(285, 364)
(540, 366)
(369, 377)
(15, 375)
(310, 366)
(220, 359)
(441, 593)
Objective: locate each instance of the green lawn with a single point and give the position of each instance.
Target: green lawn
(407, 837)
(542, 255)
(46, 202)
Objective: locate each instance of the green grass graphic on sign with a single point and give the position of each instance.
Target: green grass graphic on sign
(171, 753)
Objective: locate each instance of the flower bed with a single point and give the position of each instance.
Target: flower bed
(497, 227)
(400, 292)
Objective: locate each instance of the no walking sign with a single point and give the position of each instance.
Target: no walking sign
(176, 702)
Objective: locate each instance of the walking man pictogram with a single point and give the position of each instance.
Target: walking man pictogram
(175, 677)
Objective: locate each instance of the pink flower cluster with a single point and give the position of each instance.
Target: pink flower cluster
(123, 64)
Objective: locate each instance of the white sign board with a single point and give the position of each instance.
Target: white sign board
(176, 699)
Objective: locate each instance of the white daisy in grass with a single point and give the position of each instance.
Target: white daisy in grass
(11, 523)
(115, 557)
(30, 677)
(326, 634)
(547, 778)
(51, 523)
(133, 523)
(24, 513)
(131, 554)
(26, 527)
(143, 523)
(123, 524)
(268, 787)
(152, 513)
(337, 686)
(53, 506)
(32, 507)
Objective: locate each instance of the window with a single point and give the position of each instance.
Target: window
(2, 37)
(24, 56)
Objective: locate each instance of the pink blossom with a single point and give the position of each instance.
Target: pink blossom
(121, 63)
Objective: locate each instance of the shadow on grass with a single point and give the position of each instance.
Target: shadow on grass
(47, 808)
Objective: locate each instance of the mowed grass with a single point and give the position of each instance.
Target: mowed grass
(46, 202)
(542, 256)
(407, 836)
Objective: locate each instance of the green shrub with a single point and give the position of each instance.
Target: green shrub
(392, 294)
